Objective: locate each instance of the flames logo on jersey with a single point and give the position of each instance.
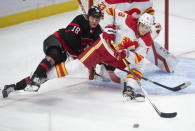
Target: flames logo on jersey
(133, 11)
(102, 5)
(136, 11)
(130, 45)
(127, 43)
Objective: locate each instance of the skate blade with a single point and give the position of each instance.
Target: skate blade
(137, 99)
(32, 88)
(140, 99)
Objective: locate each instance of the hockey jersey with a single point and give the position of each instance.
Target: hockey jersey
(127, 36)
(132, 7)
(77, 35)
(157, 55)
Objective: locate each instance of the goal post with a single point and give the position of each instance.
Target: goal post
(167, 24)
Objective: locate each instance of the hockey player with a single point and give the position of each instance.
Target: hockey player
(64, 43)
(132, 38)
(157, 55)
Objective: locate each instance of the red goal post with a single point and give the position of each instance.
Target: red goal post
(161, 8)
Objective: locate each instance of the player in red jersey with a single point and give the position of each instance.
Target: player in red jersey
(157, 55)
(132, 38)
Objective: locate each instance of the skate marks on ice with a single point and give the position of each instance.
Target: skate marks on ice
(85, 103)
(42, 95)
(185, 71)
(53, 94)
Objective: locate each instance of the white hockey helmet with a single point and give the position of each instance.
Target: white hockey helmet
(146, 19)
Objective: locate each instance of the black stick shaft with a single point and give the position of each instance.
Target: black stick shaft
(177, 88)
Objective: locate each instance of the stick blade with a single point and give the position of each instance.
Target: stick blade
(182, 86)
(187, 83)
(168, 115)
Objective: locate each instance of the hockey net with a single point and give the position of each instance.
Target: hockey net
(161, 8)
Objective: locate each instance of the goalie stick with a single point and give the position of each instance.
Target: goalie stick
(161, 114)
(176, 88)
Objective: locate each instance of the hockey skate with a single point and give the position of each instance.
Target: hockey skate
(7, 90)
(33, 84)
(129, 92)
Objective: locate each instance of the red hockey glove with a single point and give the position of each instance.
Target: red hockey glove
(121, 54)
(155, 30)
(109, 34)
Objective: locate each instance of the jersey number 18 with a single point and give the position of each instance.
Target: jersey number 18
(76, 29)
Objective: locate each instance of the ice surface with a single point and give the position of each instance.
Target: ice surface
(74, 103)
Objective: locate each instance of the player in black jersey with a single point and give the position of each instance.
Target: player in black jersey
(67, 42)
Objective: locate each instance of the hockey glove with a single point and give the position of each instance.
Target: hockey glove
(155, 30)
(109, 34)
(121, 54)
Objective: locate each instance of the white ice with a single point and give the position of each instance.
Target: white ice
(74, 103)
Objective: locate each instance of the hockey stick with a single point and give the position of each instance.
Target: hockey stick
(161, 114)
(176, 88)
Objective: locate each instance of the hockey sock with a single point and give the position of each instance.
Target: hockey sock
(22, 84)
(44, 66)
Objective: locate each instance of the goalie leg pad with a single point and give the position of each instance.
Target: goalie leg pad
(162, 58)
